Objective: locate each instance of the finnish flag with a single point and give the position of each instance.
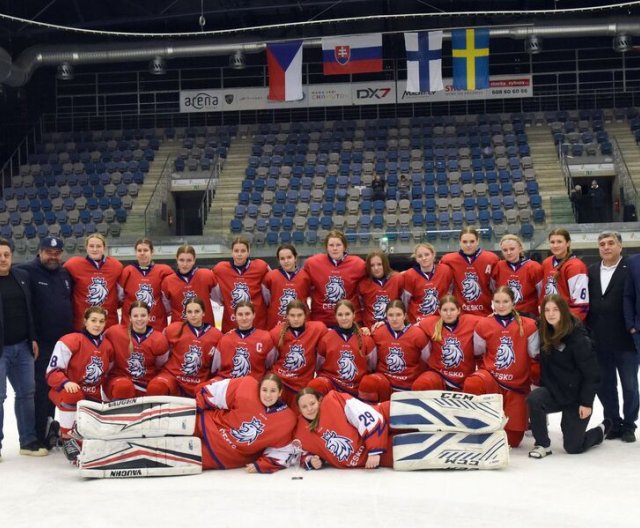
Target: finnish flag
(424, 61)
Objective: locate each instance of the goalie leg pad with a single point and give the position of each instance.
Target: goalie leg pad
(415, 451)
(447, 411)
(145, 417)
(141, 457)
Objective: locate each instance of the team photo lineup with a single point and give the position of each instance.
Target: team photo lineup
(337, 361)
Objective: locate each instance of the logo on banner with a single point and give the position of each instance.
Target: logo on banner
(228, 98)
(201, 101)
(342, 54)
(372, 93)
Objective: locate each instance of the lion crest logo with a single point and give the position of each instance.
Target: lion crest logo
(248, 432)
(452, 354)
(239, 293)
(347, 366)
(430, 303)
(241, 365)
(334, 290)
(294, 359)
(380, 307)
(145, 294)
(339, 446)
(186, 299)
(135, 365)
(505, 356)
(97, 292)
(288, 295)
(551, 287)
(471, 286)
(192, 361)
(93, 371)
(395, 360)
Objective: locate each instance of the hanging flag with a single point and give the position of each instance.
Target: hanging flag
(470, 58)
(284, 60)
(424, 61)
(352, 54)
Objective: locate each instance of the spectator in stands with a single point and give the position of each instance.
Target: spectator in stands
(378, 187)
(404, 188)
(576, 198)
(51, 305)
(597, 203)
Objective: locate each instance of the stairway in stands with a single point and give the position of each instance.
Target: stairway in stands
(555, 200)
(229, 185)
(135, 225)
(628, 147)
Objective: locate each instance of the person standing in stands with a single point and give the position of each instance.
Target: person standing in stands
(597, 203)
(18, 350)
(51, 290)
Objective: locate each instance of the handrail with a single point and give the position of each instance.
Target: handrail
(205, 205)
(12, 165)
(162, 178)
(628, 191)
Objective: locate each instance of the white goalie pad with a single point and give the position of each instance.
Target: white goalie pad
(145, 417)
(447, 411)
(415, 451)
(141, 457)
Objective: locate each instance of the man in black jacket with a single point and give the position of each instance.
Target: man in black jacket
(50, 287)
(18, 350)
(614, 344)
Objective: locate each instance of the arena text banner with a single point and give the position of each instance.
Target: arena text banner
(347, 94)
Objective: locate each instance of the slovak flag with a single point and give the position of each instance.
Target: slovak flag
(352, 54)
(284, 60)
(424, 61)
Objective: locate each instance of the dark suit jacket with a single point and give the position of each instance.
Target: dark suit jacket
(632, 294)
(23, 280)
(606, 313)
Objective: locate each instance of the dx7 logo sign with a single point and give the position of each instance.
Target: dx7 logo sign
(372, 93)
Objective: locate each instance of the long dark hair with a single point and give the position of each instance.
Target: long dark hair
(296, 303)
(313, 424)
(549, 335)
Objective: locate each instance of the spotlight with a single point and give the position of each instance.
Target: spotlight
(621, 43)
(533, 45)
(237, 60)
(157, 66)
(65, 71)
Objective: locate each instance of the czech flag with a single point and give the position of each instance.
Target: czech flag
(424, 61)
(352, 54)
(470, 58)
(284, 60)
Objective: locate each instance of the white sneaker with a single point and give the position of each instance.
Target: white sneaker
(539, 452)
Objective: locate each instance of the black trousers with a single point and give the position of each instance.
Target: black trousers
(576, 439)
(44, 407)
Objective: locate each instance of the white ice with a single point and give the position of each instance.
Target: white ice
(598, 488)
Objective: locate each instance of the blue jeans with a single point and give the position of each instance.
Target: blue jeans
(622, 363)
(17, 365)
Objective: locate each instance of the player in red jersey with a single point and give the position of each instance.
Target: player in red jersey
(191, 346)
(296, 341)
(402, 352)
(140, 351)
(245, 351)
(334, 276)
(342, 431)
(345, 354)
(244, 423)
(240, 279)
(451, 357)
(77, 370)
(565, 274)
(283, 285)
(507, 342)
(522, 275)
(143, 282)
(186, 282)
(95, 278)
(380, 286)
(425, 283)
(472, 268)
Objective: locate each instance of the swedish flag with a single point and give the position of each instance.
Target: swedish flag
(470, 58)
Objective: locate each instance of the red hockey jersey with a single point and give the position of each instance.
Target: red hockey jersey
(331, 282)
(471, 279)
(237, 429)
(138, 284)
(241, 284)
(191, 354)
(375, 294)
(525, 281)
(296, 360)
(177, 289)
(279, 288)
(348, 431)
(240, 353)
(83, 359)
(452, 357)
(505, 353)
(341, 361)
(401, 355)
(422, 291)
(94, 284)
(141, 362)
(571, 283)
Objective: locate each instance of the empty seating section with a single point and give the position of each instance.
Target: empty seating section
(580, 134)
(441, 173)
(77, 183)
(201, 145)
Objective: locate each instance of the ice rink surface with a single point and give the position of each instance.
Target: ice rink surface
(598, 488)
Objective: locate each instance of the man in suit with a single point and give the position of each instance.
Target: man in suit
(614, 345)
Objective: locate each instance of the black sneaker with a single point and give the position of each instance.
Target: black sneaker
(605, 427)
(71, 449)
(52, 438)
(34, 449)
(614, 434)
(628, 435)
